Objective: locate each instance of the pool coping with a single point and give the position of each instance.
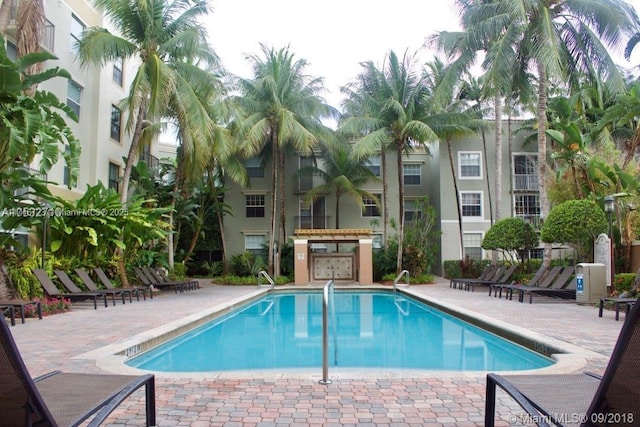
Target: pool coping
(569, 358)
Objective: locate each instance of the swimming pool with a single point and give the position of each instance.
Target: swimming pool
(374, 329)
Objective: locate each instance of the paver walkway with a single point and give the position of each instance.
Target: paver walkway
(296, 399)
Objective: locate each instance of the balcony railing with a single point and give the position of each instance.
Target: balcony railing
(24, 191)
(48, 37)
(316, 222)
(525, 183)
(151, 160)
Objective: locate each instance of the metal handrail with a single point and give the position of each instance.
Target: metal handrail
(264, 274)
(328, 292)
(397, 279)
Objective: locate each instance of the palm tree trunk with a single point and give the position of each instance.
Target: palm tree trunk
(223, 241)
(400, 208)
(497, 102)
(457, 195)
(282, 211)
(274, 200)
(542, 153)
(5, 15)
(385, 198)
(133, 152)
(338, 210)
(30, 33)
(486, 168)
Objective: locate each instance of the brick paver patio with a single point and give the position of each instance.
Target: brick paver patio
(295, 398)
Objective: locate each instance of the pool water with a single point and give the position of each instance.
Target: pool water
(372, 329)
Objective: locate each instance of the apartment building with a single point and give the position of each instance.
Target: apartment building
(94, 93)
(425, 173)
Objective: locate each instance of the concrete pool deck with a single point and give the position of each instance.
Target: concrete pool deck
(81, 341)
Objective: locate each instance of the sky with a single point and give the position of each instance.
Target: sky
(333, 36)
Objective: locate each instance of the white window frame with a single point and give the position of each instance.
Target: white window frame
(256, 164)
(365, 201)
(466, 235)
(417, 166)
(374, 164)
(410, 205)
(74, 36)
(75, 103)
(472, 217)
(462, 155)
(251, 242)
(251, 201)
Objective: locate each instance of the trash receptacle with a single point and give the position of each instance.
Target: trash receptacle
(591, 282)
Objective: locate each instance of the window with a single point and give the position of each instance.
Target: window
(117, 71)
(116, 121)
(255, 167)
(527, 205)
(12, 51)
(472, 245)
(77, 27)
(114, 176)
(377, 241)
(470, 165)
(254, 205)
(254, 243)
(371, 206)
(66, 177)
(525, 172)
(411, 174)
(305, 181)
(373, 163)
(411, 211)
(471, 203)
(74, 94)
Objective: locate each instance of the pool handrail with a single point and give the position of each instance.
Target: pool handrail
(328, 292)
(264, 274)
(397, 279)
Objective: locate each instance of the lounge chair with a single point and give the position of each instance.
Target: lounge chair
(106, 282)
(19, 303)
(579, 399)
(488, 273)
(70, 286)
(8, 310)
(147, 281)
(92, 286)
(502, 279)
(62, 399)
(52, 290)
(543, 283)
(617, 302)
(563, 287)
(160, 277)
(497, 288)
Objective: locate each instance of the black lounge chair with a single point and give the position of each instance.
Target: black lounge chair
(52, 290)
(8, 310)
(93, 287)
(497, 288)
(580, 399)
(106, 282)
(543, 283)
(62, 399)
(142, 275)
(503, 279)
(160, 277)
(617, 302)
(70, 286)
(19, 303)
(563, 287)
(488, 273)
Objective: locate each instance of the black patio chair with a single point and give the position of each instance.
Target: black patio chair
(580, 399)
(137, 290)
(52, 290)
(62, 399)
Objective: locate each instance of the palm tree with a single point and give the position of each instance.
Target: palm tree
(561, 41)
(281, 107)
(342, 173)
(169, 41)
(389, 106)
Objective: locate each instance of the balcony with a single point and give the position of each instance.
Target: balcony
(525, 183)
(24, 192)
(308, 222)
(151, 160)
(49, 30)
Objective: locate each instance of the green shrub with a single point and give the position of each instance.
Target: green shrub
(467, 268)
(624, 282)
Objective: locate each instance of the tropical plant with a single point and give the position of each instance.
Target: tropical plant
(511, 236)
(342, 174)
(563, 42)
(576, 223)
(281, 107)
(168, 40)
(386, 110)
(421, 239)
